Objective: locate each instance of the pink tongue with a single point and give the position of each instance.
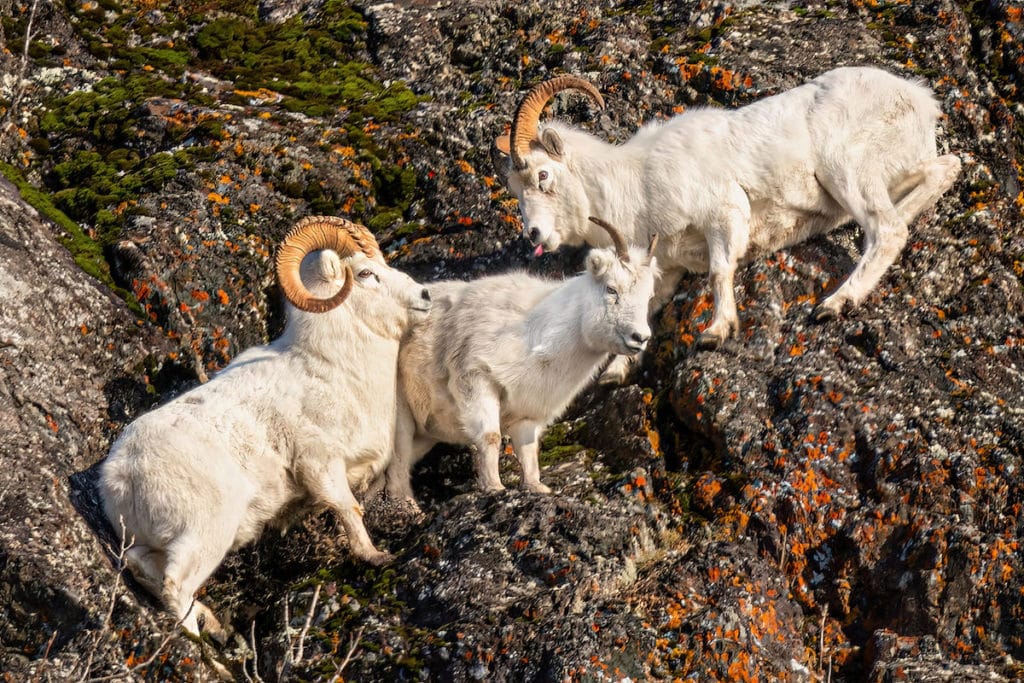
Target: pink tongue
(539, 250)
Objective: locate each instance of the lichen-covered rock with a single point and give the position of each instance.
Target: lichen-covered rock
(811, 502)
(72, 364)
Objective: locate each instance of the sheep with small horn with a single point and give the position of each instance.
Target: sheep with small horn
(506, 354)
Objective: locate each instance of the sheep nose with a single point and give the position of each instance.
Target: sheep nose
(639, 337)
(425, 295)
(534, 235)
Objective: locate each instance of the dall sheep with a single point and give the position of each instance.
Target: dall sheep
(722, 186)
(508, 353)
(297, 423)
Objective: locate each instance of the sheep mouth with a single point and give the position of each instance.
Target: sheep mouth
(632, 347)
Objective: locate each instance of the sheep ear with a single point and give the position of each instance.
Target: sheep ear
(327, 266)
(500, 157)
(599, 261)
(552, 143)
(653, 245)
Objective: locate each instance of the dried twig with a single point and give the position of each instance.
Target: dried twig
(353, 647)
(821, 646)
(19, 92)
(107, 619)
(255, 678)
(782, 553)
(300, 648)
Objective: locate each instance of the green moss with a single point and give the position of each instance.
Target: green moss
(377, 593)
(701, 58)
(408, 230)
(394, 185)
(89, 183)
(384, 220)
(87, 253)
(305, 62)
(659, 44)
(556, 445)
(555, 435)
(559, 454)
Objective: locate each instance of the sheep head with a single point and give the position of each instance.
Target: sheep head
(389, 301)
(532, 162)
(623, 287)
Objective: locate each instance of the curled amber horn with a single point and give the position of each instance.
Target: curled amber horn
(527, 116)
(312, 234)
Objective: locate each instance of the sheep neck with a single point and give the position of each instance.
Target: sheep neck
(612, 177)
(554, 329)
(331, 344)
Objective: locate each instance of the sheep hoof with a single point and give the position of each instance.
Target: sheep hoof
(538, 488)
(708, 342)
(823, 313)
(378, 558)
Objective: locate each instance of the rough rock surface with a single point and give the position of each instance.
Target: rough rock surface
(811, 502)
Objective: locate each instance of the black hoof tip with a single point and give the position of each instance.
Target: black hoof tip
(823, 314)
(708, 342)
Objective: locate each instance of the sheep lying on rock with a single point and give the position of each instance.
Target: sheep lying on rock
(508, 353)
(722, 186)
(298, 423)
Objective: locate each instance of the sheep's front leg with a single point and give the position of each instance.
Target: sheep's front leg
(727, 243)
(327, 481)
(483, 426)
(666, 286)
(409, 449)
(525, 437)
(618, 370)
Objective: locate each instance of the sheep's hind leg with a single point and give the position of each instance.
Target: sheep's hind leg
(148, 567)
(885, 225)
(191, 559)
(525, 436)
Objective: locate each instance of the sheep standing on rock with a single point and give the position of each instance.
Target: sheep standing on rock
(508, 353)
(721, 186)
(298, 423)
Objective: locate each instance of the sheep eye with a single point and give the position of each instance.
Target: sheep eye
(542, 176)
(612, 291)
(365, 273)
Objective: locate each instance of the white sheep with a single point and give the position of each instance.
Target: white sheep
(508, 353)
(298, 423)
(722, 186)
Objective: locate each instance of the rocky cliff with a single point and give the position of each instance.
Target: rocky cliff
(810, 502)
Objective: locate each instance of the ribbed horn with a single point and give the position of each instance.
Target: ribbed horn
(620, 244)
(524, 123)
(311, 234)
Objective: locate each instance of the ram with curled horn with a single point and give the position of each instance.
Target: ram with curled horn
(724, 186)
(506, 354)
(305, 421)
